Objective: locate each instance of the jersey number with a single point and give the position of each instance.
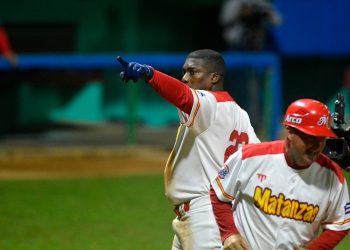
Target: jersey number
(236, 139)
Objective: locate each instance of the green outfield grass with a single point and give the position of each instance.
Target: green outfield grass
(87, 214)
(120, 213)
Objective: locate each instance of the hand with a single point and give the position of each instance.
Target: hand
(134, 71)
(236, 242)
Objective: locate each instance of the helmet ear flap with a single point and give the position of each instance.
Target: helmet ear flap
(309, 116)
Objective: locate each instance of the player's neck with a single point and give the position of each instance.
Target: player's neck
(291, 161)
(217, 87)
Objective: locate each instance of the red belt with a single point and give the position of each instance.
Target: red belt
(181, 209)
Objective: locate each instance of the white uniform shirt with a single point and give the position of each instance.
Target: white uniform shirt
(215, 125)
(277, 206)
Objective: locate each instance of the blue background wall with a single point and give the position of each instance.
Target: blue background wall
(314, 27)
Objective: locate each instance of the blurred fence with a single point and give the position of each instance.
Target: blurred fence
(95, 101)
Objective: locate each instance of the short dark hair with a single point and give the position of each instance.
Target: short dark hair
(212, 59)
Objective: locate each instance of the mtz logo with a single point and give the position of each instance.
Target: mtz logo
(322, 121)
(293, 119)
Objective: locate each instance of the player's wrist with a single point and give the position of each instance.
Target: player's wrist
(226, 236)
(148, 73)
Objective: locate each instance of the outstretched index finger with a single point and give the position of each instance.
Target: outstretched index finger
(122, 61)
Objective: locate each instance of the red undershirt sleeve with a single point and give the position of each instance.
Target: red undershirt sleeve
(223, 216)
(328, 239)
(172, 90)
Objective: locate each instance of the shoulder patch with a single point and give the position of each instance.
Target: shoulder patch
(223, 172)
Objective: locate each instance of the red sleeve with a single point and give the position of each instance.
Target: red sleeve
(172, 90)
(4, 42)
(223, 216)
(328, 239)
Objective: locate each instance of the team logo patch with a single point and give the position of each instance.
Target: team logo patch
(223, 172)
(347, 208)
(323, 121)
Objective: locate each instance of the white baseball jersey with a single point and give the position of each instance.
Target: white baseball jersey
(277, 206)
(216, 127)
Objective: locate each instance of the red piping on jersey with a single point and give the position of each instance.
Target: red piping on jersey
(222, 96)
(325, 162)
(264, 148)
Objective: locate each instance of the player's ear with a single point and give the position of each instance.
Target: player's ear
(289, 132)
(215, 78)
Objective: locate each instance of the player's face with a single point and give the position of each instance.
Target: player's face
(303, 149)
(196, 75)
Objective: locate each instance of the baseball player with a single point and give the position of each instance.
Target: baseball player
(212, 127)
(284, 191)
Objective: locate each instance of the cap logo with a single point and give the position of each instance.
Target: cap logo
(323, 121)
(292, 119)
